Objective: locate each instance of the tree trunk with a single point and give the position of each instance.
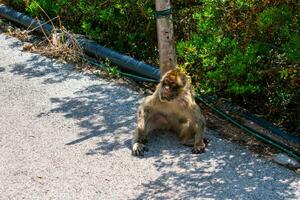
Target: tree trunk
(165, 35)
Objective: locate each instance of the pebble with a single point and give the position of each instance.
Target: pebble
(286, 160)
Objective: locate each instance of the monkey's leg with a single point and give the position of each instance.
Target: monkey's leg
(200, 142)
(140, 134)
(185, 134)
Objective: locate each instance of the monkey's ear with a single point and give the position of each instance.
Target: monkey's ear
(170, 74)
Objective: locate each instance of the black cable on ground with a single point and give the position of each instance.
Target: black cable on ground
(132, 76)
(260, 121)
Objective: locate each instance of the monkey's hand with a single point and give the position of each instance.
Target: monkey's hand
(198, 150)
(138, 149)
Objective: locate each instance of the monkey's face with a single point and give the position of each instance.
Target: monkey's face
(172, 85)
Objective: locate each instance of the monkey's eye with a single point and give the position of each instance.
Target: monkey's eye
(166, 81)
(175, 87)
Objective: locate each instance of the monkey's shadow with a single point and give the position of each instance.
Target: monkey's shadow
(160, 142)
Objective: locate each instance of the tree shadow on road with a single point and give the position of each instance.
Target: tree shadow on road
(101, 110)
(32, 65)
(50, 70)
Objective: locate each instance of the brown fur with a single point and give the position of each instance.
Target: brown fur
(179, 114)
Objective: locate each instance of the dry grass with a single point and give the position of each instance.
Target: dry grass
(59, 44)
(56, 46)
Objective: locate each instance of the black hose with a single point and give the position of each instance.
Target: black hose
(284, 135)
(125, 62)
(24, 20)
(264, 123)
(262, 137)
(132, 76)
(89, 46)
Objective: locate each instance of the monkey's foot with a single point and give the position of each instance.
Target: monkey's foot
(190, 143)
(138, 149)
(206, 141)
(198, 150)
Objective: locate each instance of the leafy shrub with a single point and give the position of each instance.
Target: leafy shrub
(248, 51)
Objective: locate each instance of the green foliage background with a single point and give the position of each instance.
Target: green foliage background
(246, 50)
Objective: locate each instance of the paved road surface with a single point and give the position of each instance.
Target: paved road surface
(66, 135)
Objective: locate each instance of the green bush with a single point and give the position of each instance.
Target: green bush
(248, 51)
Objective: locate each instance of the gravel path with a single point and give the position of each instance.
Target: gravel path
(66, 135)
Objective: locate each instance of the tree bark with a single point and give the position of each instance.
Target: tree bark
(165, 35)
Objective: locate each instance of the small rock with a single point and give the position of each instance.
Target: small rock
(285, 160)
(56, 39)
(27, 46)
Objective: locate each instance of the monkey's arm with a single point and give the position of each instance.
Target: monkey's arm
(199, 127)
(140, 135)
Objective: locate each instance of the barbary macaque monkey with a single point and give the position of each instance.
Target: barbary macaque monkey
(171, 107)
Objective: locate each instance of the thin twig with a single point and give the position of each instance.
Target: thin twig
(41, 24)
(45, 14)
(44, 33)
